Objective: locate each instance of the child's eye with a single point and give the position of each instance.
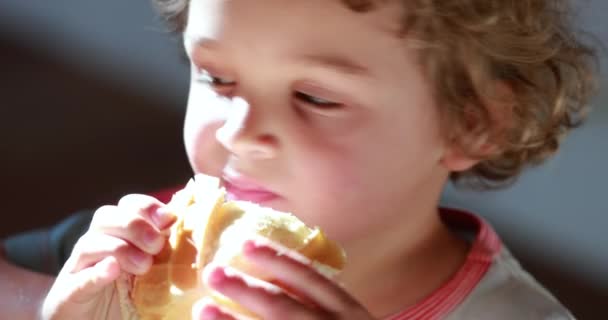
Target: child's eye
(316, 101)
(216, 81)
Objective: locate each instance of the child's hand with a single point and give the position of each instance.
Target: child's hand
(120, 238)
(324, 298)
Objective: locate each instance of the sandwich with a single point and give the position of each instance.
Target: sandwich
(210, 229)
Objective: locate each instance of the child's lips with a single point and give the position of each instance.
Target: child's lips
(244, 189)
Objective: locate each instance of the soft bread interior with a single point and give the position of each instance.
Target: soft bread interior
(209, 229)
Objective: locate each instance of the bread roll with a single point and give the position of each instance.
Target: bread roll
(210, 229)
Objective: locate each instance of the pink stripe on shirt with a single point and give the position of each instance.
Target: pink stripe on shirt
(479, 259)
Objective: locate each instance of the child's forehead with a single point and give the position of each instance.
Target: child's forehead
(323, 32)
(383, 15)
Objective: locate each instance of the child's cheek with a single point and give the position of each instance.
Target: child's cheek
(329, 155)
(327, 176)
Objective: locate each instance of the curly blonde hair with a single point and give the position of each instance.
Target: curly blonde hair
(511, 77)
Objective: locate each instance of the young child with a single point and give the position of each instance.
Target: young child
(353, 115)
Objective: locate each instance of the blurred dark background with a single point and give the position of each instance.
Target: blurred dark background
(93, 94)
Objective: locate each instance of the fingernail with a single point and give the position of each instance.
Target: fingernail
(210, 312)
(151, 237)
(138, 257)
(250, 247)
(217, 276)
(162, 217)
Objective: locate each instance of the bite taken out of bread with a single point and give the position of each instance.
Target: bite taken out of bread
(210, 229)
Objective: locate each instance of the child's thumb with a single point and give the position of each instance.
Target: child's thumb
(92, 281)
(73, 293)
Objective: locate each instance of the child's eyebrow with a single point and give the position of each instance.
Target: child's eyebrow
(340, 63)
(337, 62)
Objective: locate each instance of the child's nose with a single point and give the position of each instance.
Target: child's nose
(243, 135)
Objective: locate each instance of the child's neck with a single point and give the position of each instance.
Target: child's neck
(414, 260)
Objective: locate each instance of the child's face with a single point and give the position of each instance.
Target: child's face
(322, 111)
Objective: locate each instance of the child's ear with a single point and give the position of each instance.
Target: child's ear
(455, 159)
(475, 144)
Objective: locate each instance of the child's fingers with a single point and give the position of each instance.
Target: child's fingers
(130, 226)
(299, 276)
(149, 208)
(94, 247)
(205, 309)
(89, 282)
(266, 301)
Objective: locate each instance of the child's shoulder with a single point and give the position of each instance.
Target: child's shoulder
(507, 291)
(503, 289)
(490, 284)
